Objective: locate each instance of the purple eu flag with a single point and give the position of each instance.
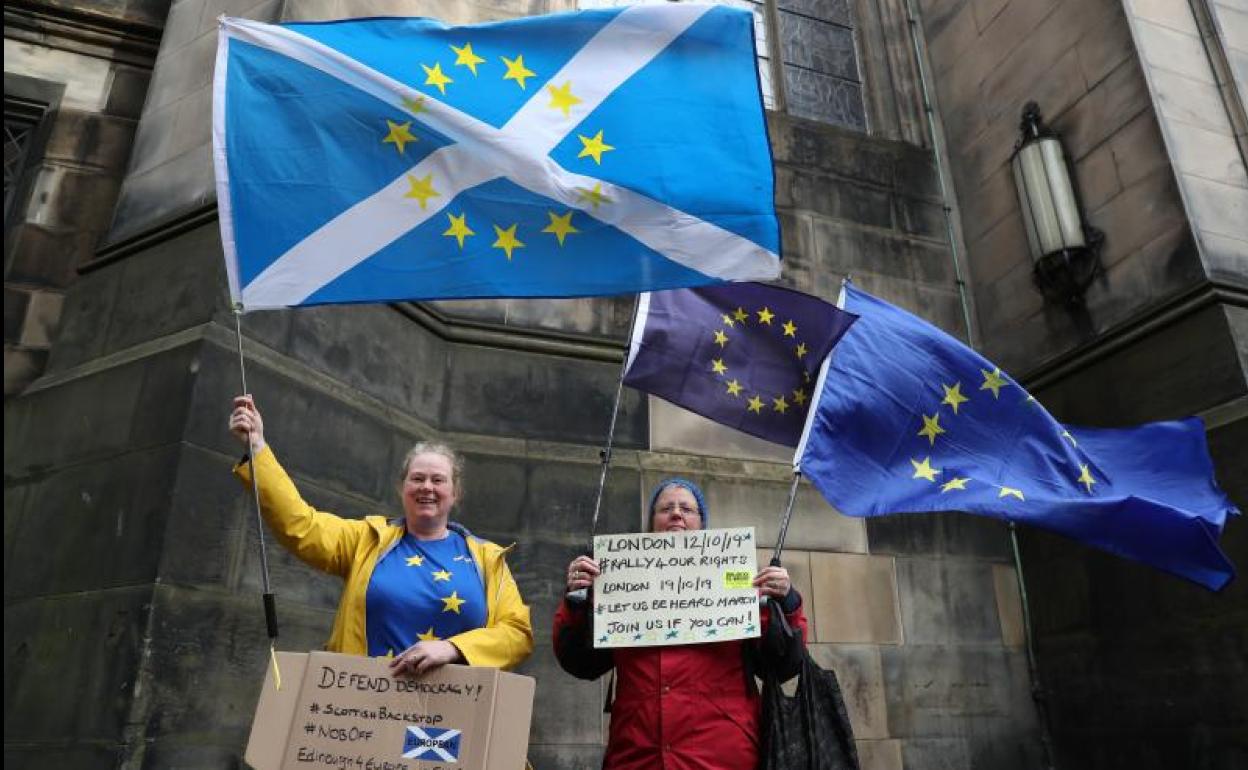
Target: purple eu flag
(744, 354)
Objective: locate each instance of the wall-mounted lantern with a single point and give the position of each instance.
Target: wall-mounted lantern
(1065, 250)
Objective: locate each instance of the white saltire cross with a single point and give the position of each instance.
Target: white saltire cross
(427, 745)
(519, 151)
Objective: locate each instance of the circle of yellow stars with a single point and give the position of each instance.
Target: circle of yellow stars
(563, 100)
(758, 403)
(993, 383)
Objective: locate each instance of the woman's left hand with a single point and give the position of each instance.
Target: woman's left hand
(423, 657)
(773, 582)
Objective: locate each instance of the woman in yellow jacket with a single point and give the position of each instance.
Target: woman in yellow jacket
(420, 588)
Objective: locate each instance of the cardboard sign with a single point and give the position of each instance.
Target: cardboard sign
(348, 712)
(665, 588)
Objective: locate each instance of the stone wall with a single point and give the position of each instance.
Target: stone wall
(1138, 669)
(84, 69)
(131, 566)
(1076, 59)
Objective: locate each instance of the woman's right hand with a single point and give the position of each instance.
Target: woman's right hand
(246, 423)
(581, 573)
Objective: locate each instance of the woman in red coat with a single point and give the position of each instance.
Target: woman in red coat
(688, 707)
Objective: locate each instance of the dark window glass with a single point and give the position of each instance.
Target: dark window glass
(21, 119)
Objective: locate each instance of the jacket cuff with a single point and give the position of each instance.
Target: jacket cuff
(791, 601)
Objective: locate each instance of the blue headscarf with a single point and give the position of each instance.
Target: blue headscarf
(685, 484)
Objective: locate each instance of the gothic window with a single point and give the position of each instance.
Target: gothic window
(820, 62)
(21, 120)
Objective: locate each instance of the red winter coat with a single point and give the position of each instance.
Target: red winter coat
(689, 707)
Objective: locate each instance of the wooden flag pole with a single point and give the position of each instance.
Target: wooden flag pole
(270, 608)
(582, 594)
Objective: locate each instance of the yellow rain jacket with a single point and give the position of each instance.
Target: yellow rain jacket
(350, 549)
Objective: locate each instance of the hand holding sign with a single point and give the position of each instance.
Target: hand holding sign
(773, 582)
(425, 656)
(581, 573)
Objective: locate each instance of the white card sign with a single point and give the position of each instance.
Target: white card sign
(667, 588)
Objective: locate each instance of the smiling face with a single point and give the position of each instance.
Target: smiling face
(428, 493)
(675, 510)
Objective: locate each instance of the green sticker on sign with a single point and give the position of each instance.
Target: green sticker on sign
(737, 579)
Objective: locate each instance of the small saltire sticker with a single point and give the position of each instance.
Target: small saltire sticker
(431, 743)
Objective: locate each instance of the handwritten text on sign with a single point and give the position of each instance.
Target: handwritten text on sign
(665, 588)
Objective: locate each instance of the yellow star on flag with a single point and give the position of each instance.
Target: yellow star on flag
(718, 366)
(428, 636)
(517, 71)
(414, 106)
(790, 329)
(953, 396)
(435, 77)
(931, 428)
(415, 561)
(593, 147)
(562, 98)
(799, 397)
(400, 134)
(727, 320)
(993, 381)
(442, 575)
(560, 225)
(765, 315)
(755, 405)
(1011, 492)
(954, 483)
(594, 196)
(780, 405)
(422, 189)
(734, 388)
(801, 350)
(1085, 477)
(924, 470)
(465, 57)
(740, 314)
(721, 339)
(459, 228)
(507, 240)
(452, 603)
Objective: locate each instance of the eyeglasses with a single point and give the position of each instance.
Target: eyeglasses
(685, 510)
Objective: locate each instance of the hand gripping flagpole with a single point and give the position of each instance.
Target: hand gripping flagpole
(270, 608)
(581, 594)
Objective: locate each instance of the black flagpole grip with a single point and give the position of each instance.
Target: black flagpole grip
(270, 615)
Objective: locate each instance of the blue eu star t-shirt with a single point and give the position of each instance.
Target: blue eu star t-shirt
(423, 590)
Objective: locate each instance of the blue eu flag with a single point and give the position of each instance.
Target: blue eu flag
(743, 354)
(590, 153)
(909, 419)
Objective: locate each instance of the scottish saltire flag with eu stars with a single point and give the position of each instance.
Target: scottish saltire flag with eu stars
(908, 419)
(742, 354)
(590, 153)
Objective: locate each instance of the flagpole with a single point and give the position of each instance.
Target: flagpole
(270, 608)
(784, 520)
(581, 594)
(801, 442)
(772, 604)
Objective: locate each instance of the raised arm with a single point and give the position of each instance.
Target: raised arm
(322, 540)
